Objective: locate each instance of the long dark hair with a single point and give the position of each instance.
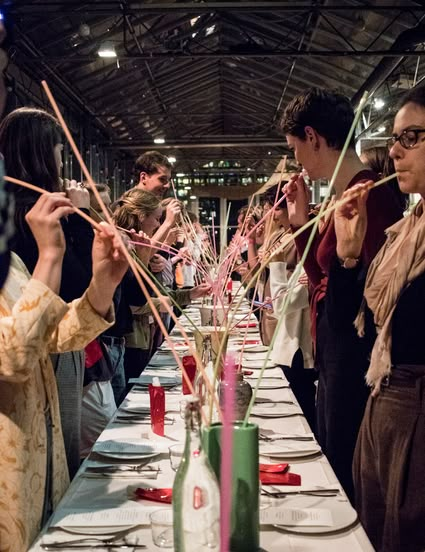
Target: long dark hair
(28, 137)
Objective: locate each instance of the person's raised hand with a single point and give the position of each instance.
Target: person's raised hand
(157, 263)
(200, 291)
(44, 222)
(297, 200)
(351, 221)
(172, 212)
(109, 261)
(77, 193)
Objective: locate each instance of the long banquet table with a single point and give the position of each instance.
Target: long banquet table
(113, 494)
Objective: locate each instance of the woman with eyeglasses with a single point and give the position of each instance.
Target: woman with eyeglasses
(388, 471)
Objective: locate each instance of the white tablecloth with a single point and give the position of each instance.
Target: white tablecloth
(95, 493)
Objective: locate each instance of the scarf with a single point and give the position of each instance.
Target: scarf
(400, 260)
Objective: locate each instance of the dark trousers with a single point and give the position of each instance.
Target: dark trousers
(302, 384)
(342, 361)
(388, 468)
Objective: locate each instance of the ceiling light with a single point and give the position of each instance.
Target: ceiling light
(180, 175)
(378, 103)
(172, 159)
(188, 187)
(192, 197)
(107, 50)
(381, 129)
(159, 140)
(209, 30)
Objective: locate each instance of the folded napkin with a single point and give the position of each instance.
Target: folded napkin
(267, 478)
(274, 468)
(280, 448)
(156, 495)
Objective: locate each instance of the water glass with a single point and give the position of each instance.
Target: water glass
(162, 528)
(176, 455)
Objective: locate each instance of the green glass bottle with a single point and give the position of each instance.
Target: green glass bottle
(196, 494)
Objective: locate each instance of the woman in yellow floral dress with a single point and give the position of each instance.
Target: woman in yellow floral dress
(34, 322)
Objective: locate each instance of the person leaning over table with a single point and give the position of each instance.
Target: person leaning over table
(140, 211)
(388, 467)
(340, 357)
(35, 321)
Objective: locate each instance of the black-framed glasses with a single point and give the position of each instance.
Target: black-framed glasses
(408, 138)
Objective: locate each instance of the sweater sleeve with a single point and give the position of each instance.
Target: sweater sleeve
(311, 266)
(80, 325)
(279, 285)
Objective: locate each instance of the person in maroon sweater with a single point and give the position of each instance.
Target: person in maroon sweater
(316, 124)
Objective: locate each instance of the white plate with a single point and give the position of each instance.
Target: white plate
(343, 514)
(134, 410)
(276, 410)
(106, 530)
(271, 384)
(290, 449)
(127, 455)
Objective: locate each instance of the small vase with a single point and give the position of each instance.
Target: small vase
(243, 394)
(245, 483)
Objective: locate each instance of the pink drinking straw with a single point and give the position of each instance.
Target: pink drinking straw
(227, 454)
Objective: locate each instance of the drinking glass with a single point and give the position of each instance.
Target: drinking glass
(162, 528)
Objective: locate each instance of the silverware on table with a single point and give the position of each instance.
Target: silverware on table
(260, 400)
(100, 544)
(122, 468)
(313, 492)
(269, 439)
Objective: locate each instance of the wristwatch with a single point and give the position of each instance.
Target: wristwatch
(349, 262)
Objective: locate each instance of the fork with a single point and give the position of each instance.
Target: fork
(122, 468)
(268, 439)
(282, 494)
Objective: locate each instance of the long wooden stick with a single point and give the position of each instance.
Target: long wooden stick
(132, 264)
(41, 191)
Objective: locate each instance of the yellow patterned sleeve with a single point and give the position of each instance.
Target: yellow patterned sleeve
(80, 325)
(25, 330)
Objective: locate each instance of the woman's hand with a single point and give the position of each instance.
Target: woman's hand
(109, 262)
(76, 192)
(200, 291)
(44, 222)
(297, 200)
(351, 221)
(172, 211)
(109, 267)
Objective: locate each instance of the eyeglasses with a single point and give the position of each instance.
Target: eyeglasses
(408, 138)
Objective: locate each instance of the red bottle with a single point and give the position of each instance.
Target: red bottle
(157, 403)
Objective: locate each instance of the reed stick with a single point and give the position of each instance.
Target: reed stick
(127, 255)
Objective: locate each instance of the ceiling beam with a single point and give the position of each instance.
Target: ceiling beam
(115, 6)
(243, 52)
(210, 142)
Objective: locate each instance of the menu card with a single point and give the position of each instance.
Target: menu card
(308, 517)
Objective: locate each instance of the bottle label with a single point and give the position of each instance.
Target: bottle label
(198, 501)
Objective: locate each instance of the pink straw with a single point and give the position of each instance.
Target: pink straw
(227, 454)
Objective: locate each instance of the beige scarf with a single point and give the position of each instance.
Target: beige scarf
(399, 262)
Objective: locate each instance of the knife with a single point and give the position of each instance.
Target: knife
(105, 544)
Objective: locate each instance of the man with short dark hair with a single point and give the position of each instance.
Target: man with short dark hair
(153, 171)
(316, 124)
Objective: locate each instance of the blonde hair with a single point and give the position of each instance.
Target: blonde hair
(133, 206)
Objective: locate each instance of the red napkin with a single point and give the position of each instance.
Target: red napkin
(157, 495)
(247, 372)
(189, 364)
(252, 342)
(274, 468)
(93, 353)
(280, 478)
(247, 325)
